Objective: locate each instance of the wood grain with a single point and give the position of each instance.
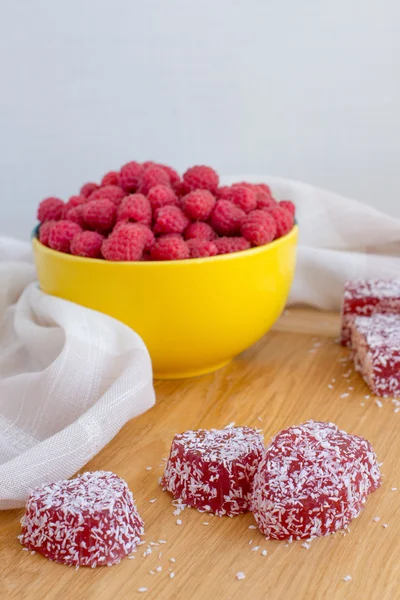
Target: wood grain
(279, 382)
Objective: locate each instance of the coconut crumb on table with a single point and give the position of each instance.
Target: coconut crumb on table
(153, 500)
(240, 575)
(305, 546)
(379, 403)
(385, 525)
(178, 522)
(172, 559)
(159, 569)
(252, 526)
(264, 552)
(255, 548)
(149, 468)
(142, 589)
(347, 578)
(376, 519)
(171, 575)
(393, 489)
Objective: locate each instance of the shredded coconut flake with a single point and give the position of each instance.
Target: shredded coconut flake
(240, 575)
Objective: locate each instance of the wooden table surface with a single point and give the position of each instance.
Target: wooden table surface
(281, 381)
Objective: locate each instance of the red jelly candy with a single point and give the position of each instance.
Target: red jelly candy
(212, 470)
(365, 297)
(88, 521)
(376, 350)
(313, 481)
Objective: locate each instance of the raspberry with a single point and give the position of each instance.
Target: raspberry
(169, 248)
(87, 189)
(289, 206)
(181, 189)
(284, 221)
(201, 248)
(223, 193)
(87, 243)
(125, 243)
(108, 192)
(161, 195)
(73, 202)
(226, 218)
(44, 232)
(174, 177)
(99, 214)
(50, 209)
(135, 208)
(200, 230)
(110, 178)
(61, 235)
(201, 177)
(265, 200)
(75, 215)
(263, 187)
(170, 219)
(129, 176)
(227, 245)
(258, 227)
(153, 176)
(198, 205)
(148, 236)
(244, 197)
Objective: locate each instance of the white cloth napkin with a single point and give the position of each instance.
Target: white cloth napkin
(70, 377)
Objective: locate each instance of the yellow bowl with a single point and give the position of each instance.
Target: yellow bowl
(194, 315)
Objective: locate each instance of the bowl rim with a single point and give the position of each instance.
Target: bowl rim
(170, 263)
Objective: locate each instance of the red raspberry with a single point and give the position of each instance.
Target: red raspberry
(181, 189)
(125, 243)
(99, 214)
(161, 195)
(75, 215)
(149, 237)
(288, 205)
(50, 209)
(88, 188)
(258, 227)
(109, 192)
(129, 176)
(61, 235)
(284, 221)
(198, 205)
(153, 176)
(44, 232)
(169, 248)
(201, 248)
(135, 208)
(87, 243)
(266, 202)
(244, 197)
(110, 178)
(201, 178)
(227, 245)
(201, 231)
(226, 218)
(263, 187)
(174, 177)
(223, 193)
(170, 219)
(73, 202)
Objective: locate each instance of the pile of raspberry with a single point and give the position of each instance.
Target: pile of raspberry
(147, 212)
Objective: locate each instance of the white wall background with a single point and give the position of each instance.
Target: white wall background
(308, 90)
